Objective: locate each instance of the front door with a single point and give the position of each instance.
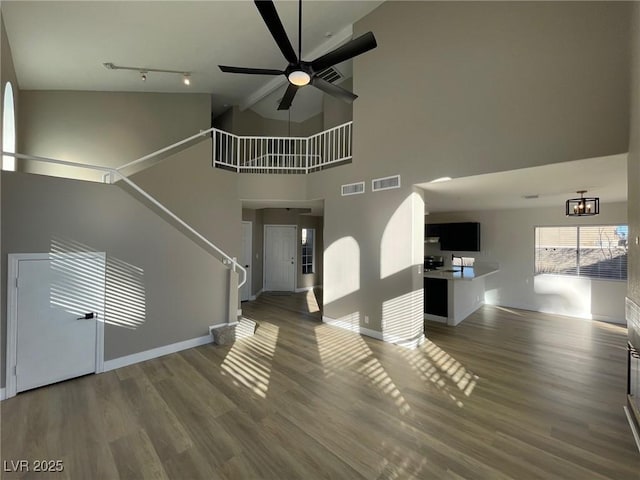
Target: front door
(58, 300)
(280, 257)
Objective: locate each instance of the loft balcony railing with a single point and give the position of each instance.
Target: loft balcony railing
(293, 155)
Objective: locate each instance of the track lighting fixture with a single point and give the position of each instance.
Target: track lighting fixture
(186, 76)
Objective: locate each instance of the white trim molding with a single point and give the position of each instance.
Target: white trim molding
(306, 289)
(156, 352)
(353, 327)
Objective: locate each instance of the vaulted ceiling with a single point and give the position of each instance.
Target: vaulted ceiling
(63, 45)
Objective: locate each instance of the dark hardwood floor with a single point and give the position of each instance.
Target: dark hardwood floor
(507, 394)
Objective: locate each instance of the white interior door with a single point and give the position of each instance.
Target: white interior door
(280, 257)
(245, 259)
(53, 339)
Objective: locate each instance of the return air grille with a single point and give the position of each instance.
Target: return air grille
(352, 189)
(330, 74)
(386, 183)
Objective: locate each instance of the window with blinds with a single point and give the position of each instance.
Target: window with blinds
(595, 251)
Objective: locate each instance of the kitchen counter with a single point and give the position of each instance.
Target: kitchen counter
(469, 273)
(450, 297)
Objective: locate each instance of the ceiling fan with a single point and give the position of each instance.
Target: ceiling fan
(300, 73)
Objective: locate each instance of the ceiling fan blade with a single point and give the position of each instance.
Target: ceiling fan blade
(333, 90)
(287, 100)
(250, 71)
(270, 16)
(355, 47)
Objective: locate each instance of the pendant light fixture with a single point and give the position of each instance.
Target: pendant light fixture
(583, 206)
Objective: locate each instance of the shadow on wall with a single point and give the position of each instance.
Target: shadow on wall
(125, 296)
(581, 297)
(79, 286)
(399, 313)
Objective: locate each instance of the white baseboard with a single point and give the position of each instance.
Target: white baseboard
(356, 328)
(435, 318)
(306, 289)
(2, 394)
(239, 312)
(156, 352)
(220, 325)
(410, 343)
(351, 327)
(258, 293)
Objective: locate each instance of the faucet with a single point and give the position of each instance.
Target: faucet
(461, 262)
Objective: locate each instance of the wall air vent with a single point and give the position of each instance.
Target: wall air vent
(330, 74)
(352, 189)
(386, 183)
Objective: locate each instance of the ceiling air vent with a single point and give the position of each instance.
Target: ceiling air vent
(385, 183)
(353, 189)
(330, 74)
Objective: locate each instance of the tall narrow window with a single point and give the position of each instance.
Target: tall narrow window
(8, 128)
(308, 235)
(598, 251)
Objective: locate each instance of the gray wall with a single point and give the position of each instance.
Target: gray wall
(7, 74)
(491, 86)
(633, 176)
(105, 128)
(257, 247)
(498, 86)
(203, 196)
(508, 239)
(248, 122)
(335, 111)
(185, 288)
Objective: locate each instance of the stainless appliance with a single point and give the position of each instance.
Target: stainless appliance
(432, 262)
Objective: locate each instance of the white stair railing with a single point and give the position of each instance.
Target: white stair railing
(113, 174)
(254, 154)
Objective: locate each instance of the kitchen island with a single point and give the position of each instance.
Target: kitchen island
(452, 294)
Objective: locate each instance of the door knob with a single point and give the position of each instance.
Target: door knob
(246, 266)
(88, 316)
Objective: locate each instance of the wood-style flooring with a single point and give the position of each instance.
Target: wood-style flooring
(507, 394)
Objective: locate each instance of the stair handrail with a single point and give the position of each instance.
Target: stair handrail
(115, 172)
(149, 156)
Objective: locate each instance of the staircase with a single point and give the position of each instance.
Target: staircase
(113, 175)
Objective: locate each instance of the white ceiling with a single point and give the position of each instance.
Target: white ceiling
(63, 45)
(604, 177)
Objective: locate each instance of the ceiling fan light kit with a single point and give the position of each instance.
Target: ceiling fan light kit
(299, 78)
(300, 73)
